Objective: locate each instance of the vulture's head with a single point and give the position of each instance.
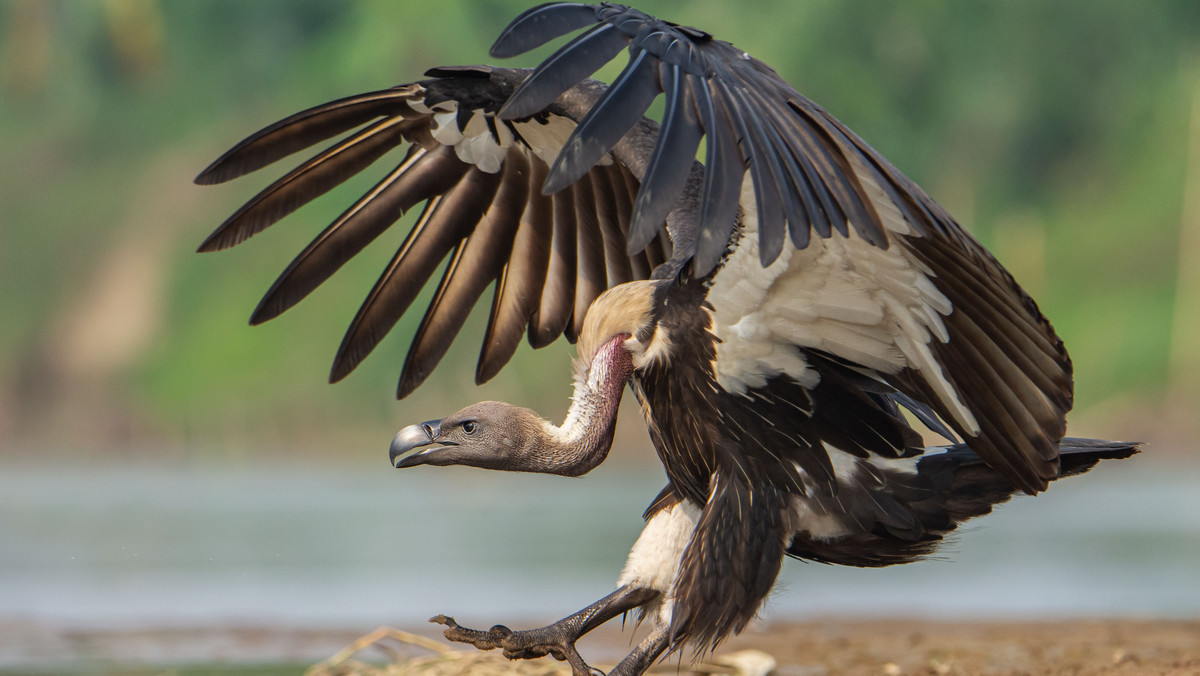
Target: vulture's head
(618, 337)
(490, 434)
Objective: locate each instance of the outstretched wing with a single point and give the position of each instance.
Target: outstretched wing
(480, 179)
(890, 285)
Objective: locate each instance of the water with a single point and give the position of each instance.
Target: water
(134, 546)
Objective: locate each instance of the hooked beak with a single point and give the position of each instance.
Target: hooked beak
(413, 437)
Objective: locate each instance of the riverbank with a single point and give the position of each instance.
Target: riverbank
(842, 647)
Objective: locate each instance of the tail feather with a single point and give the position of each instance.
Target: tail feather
(971, 488)
(947, 489)
(1077, 455)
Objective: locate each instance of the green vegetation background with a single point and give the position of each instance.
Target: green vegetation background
(1057, 131)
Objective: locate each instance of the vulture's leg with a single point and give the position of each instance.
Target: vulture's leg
(557, 639)
(645, 582)
(643, 656)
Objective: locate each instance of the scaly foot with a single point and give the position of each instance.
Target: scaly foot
(557, 639)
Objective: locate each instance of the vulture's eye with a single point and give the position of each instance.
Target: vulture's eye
(470, 426)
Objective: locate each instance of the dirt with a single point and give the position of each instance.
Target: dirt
(888, 648)
(833, 647)
(918, 648)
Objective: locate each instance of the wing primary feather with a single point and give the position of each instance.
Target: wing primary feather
(1028, 400)
(949, 264)
(558, 295)
(809, 155)
(843, 180)
(591, 280)
(409, 374)
(479, 263)
(304, 129)
(805, 214)
(1009, 444)
(614, 114)
(724, 170)
(445, 221)
(623, 194)
(423, 174)
(911, 204)
(572, 63)
(670, 162)
(805, 211)
(397, 287)
(627, 187)
(538, 25)
(765, 173)
(789, 141)
(609, 209)
(1032, 364)
(518, 291)
(815, 164)
(307, 182)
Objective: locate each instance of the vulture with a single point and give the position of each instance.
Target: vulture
(789, 309)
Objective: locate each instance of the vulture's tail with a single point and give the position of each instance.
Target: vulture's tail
(1079, 455)
(898, 515)
(967, 487)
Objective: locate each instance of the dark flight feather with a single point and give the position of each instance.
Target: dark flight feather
(717, 76)
(670, 162)
(538, 25)
(722, 183)
(445, 223)
(420, 177)
(622, 105)
(549, 257)
(303, 130)
(519, 289)
(307, 182)
(477, 264)
(572, 63)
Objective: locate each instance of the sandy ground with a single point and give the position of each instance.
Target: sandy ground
(813, 648)
(1076, 648)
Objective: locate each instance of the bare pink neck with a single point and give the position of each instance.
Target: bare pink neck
(585, 437)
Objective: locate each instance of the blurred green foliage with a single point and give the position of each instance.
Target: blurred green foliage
(1056, 131)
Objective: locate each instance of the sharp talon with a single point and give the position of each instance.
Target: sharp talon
(442, 619)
